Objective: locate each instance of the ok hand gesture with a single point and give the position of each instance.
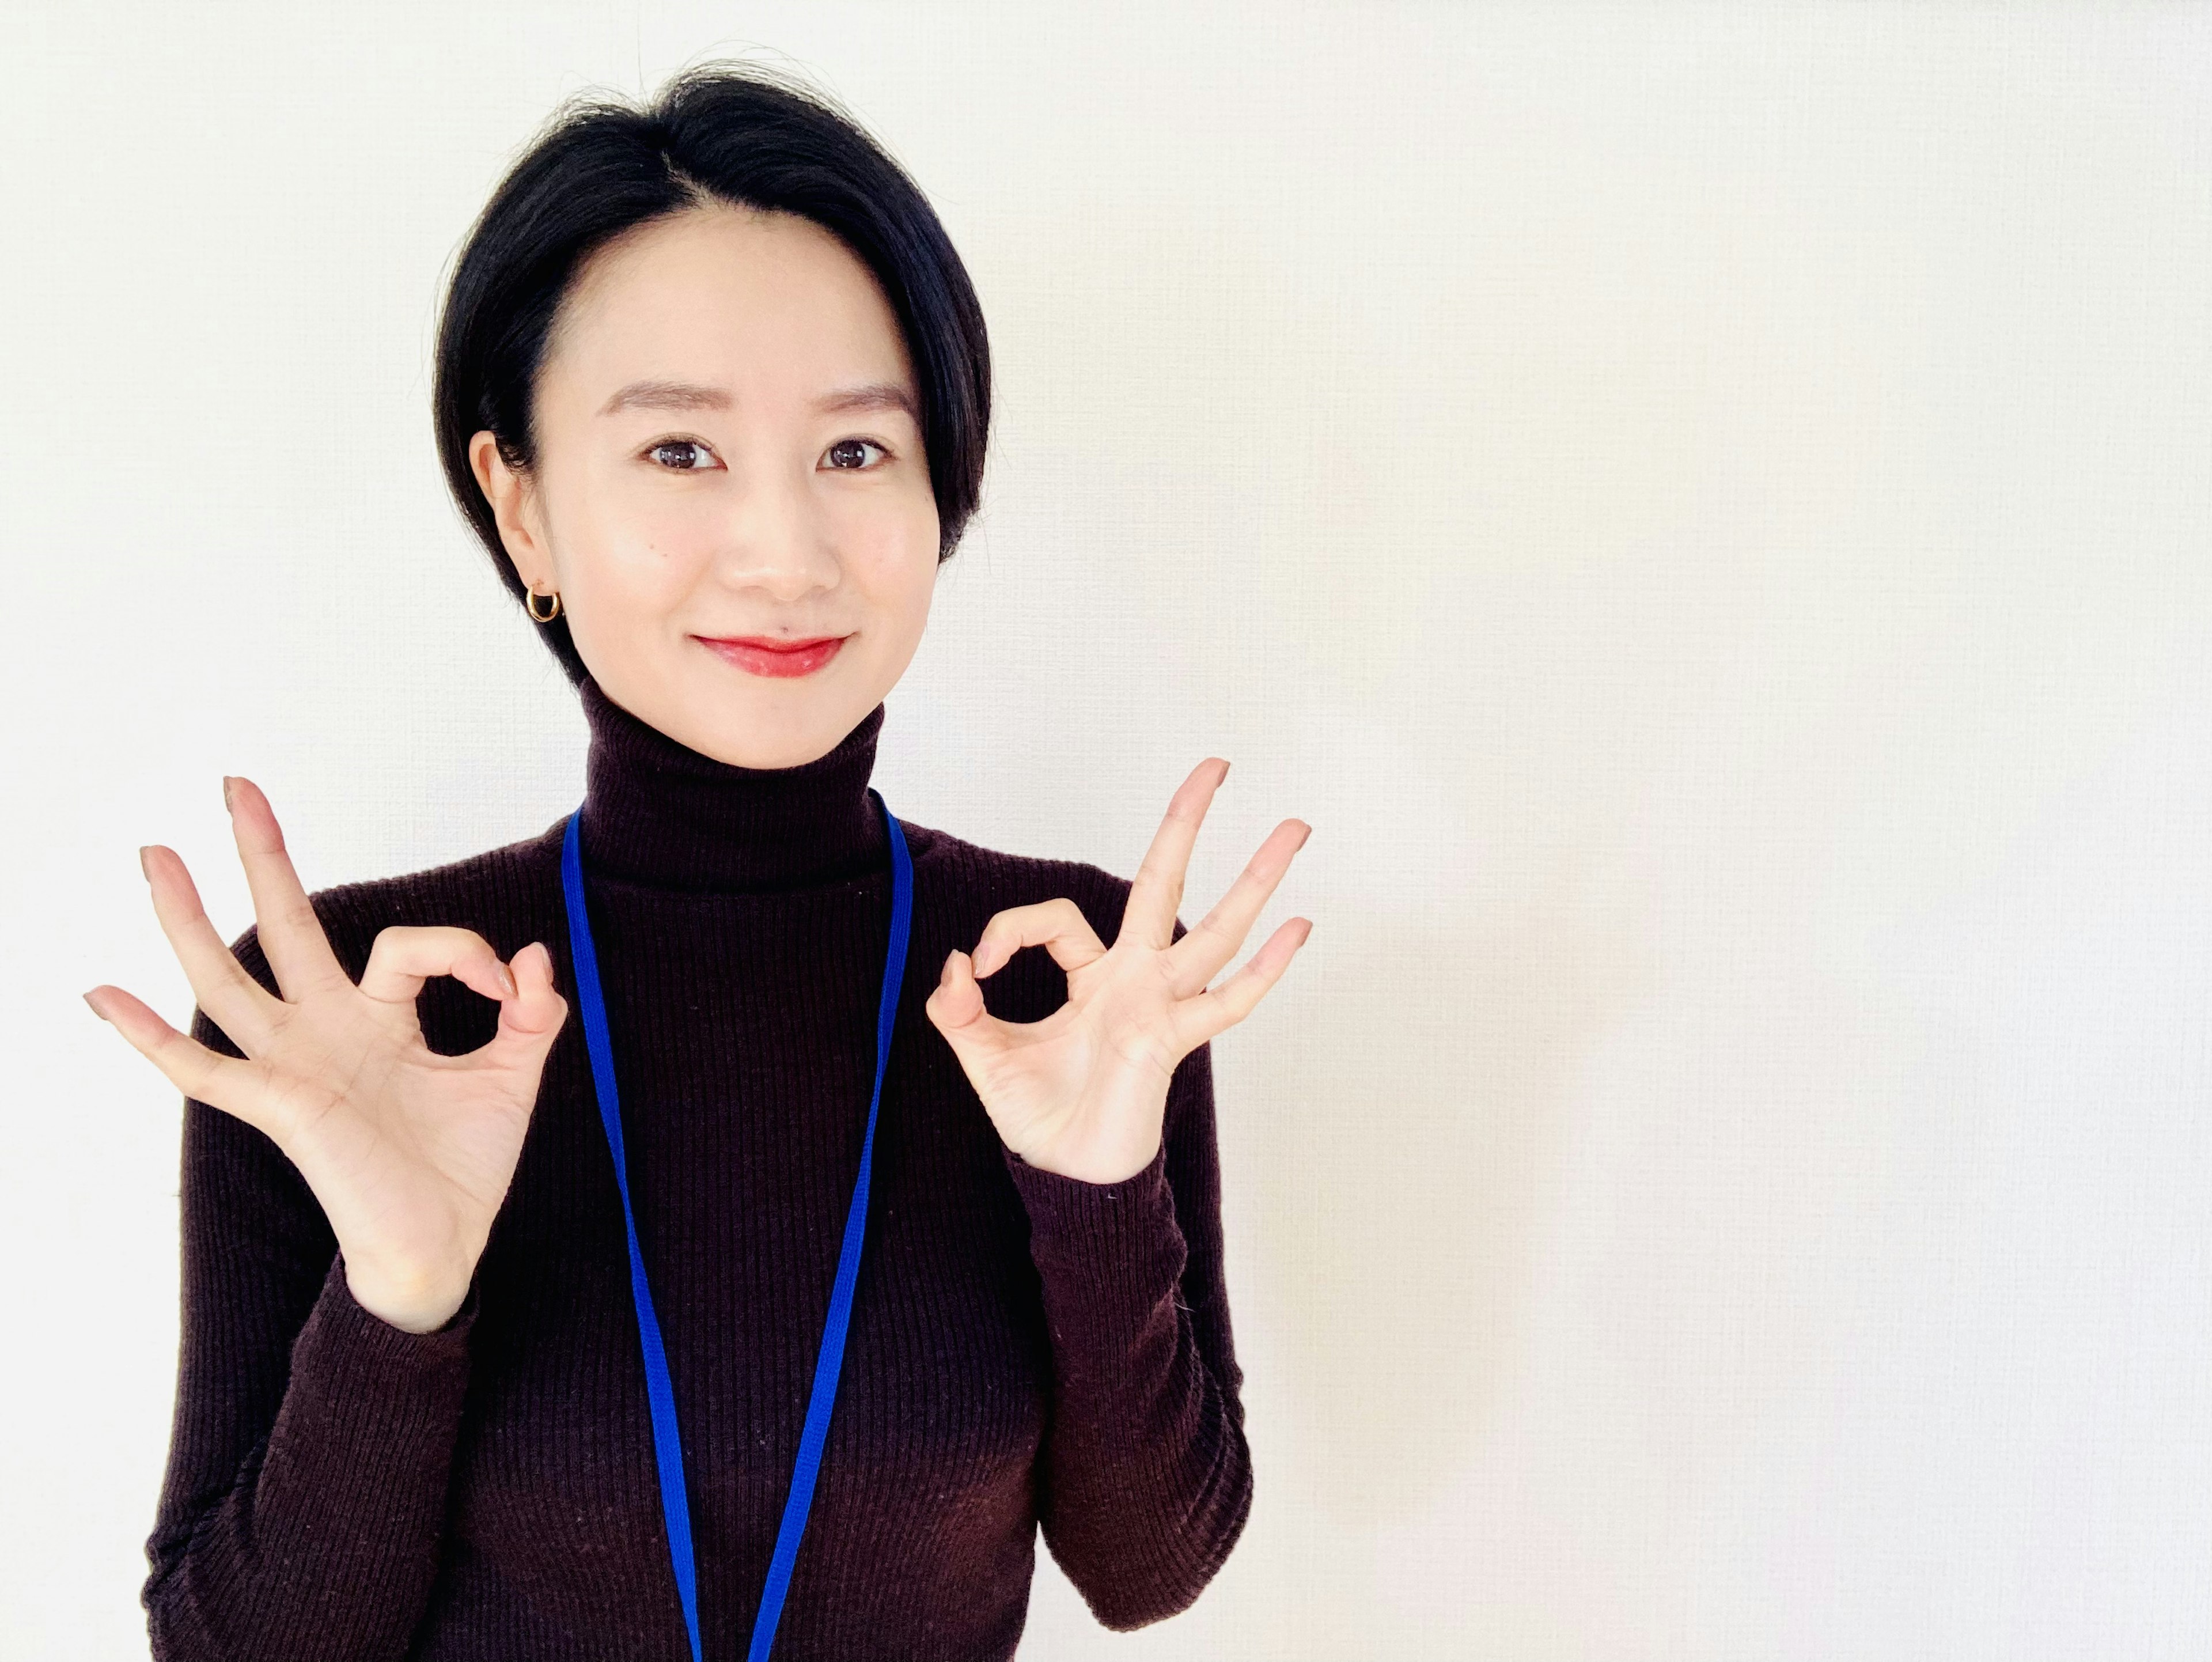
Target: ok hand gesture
(409, 1151)
(1084, 1091)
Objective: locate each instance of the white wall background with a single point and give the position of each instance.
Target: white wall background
(1705, 509)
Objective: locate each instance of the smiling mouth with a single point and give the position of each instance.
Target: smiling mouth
(781, 660)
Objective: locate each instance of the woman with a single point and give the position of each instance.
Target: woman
(520, 1194)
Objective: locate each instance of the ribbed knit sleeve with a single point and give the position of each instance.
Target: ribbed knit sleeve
(1146, 1477)
(312, 1441)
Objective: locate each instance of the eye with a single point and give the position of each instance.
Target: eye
(842, 456)
(681, 445)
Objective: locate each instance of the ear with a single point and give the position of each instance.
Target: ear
(514, 507)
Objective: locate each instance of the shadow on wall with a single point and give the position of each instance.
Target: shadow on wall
(1402, 1196)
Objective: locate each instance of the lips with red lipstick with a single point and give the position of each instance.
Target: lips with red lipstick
(773, 655)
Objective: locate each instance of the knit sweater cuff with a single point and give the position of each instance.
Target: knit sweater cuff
(365, 1393)
(1110, 1254)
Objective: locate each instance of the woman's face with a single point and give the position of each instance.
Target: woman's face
(729, 449)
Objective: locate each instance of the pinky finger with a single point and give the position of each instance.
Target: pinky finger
(1201, 1016)
(205, 1075)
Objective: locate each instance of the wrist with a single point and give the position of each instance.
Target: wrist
(414, 1303)
(1099, 1168)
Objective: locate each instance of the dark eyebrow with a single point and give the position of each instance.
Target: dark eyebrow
(688, 395)
(876, 395)
(666, 395)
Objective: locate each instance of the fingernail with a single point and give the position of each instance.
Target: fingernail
(506, 980)
(96, 1010)
(226, 795)
(142, 865)
(1302, 841)
(1224, 773)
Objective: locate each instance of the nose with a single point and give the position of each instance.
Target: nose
(774, 538)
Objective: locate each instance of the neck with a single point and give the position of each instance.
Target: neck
(659, 813)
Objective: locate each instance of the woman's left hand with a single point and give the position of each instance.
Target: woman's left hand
(1084, 1091)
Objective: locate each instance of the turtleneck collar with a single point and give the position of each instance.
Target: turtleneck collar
(659, 813)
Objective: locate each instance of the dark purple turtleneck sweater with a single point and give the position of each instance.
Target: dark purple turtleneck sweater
(1026, 1349)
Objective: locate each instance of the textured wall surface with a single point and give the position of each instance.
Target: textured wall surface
(1706, 511)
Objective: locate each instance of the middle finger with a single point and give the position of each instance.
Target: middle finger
(291, 935)
(1157, 890)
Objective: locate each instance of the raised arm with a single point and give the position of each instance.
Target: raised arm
(1105, 1108)
(311, 1442)
(339, 1183)
(1146, 1477)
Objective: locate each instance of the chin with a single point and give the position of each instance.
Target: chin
(774, 724)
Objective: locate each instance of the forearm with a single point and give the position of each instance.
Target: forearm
(1147, 1475)
(326, 1541)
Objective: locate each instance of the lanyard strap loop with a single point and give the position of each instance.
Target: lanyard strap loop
(660, 1392)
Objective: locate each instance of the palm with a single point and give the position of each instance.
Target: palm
(409, 1153)
(1084, 1091)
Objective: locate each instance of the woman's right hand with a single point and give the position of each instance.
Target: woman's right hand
(409, 1153)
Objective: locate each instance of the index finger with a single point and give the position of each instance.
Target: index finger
(290, 934)
(1157, 890)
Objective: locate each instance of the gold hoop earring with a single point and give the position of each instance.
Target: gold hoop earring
(530, 604)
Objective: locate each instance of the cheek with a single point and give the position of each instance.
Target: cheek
(889, 548)
(897, 567)
(638, 551)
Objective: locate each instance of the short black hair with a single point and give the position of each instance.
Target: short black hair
(741, 134)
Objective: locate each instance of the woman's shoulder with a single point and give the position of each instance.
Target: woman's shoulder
(992, 879)
(508, 876)
(503, 893)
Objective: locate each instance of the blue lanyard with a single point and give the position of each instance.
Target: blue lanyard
(667, 1450)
